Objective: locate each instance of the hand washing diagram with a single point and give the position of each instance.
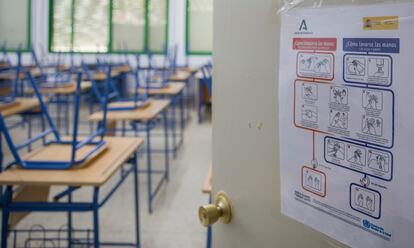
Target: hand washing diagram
(355, 66)
(315, 65)
(336, 149)
(310, 91)
(356, 155)
(368, 69)
(372, 99)
(338, 119)
(339, 95)
(309, 113)
(372, 125)
(344, 123)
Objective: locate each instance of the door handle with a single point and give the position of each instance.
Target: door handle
(221, 210)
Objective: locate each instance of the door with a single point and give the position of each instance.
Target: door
(245, 128)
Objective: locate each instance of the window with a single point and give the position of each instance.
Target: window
(62, 26)
(15, 20)
(108, 26)
(128, 25)
(199, 27)
(91, 26)
(157, 25)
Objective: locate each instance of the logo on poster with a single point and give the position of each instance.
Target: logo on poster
(303, 28)
(378, 229)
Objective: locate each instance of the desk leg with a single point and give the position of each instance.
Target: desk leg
(95, 217)
(1, 168)
(188, 99)
(123, 128)
(67, 101)
(59, 111)
(1, 152)
(29, 131)
(182, 119)
(5, 216)
(69, 222)
(174, 138)
(90, 100)
(149, 172)
(167, 158)
(136, 202)
(200, 102)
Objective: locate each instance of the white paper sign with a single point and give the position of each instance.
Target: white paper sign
(346, 92)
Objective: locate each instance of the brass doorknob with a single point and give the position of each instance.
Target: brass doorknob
(221, 209)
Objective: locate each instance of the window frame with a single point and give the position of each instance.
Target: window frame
(110, 32)
(28, 46)
(187, 34)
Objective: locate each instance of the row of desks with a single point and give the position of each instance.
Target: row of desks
(98, 171)
(94, 173)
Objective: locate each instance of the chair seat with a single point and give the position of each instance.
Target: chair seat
(128, 105)
(61, 153)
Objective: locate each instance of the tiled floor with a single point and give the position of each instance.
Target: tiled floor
(174, 222)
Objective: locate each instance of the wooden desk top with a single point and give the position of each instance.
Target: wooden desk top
(207, 186)
(101, 76)
(170, 90)
(4, 65)
(189, 69)
(61, 153)
(122, 69)
(12, 75)
(24, 104)
(94, 173)
(180, 76)
(65, 90)
(150, 112)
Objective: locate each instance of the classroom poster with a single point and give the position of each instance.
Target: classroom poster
(346, 90)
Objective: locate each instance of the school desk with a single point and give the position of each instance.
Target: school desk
(174, 92)
(95, 174)
(149, 117)
(61, 96)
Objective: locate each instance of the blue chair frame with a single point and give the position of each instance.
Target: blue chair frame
(138, 99)
(75, 144)
(206, 81)
(155, 77)
(6, 58)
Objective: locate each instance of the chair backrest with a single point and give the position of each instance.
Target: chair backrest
(207, 79)
(7, 92)
(14, 149)
(113, 94)
(75, 144)
(172, 58)
(36, 60)
(100, 132)
(5, 56)
(156, 76)
(138, 78)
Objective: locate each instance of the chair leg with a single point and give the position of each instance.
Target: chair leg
(5, 217)
(96, 218)
(149, 165)
(136, 201)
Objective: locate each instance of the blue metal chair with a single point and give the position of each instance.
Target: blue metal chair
(138, 99)
(172, 59)
(96, 139)
(7, 94)
(4, 59)
(205, 82)
(156, 77)
(113, 93)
